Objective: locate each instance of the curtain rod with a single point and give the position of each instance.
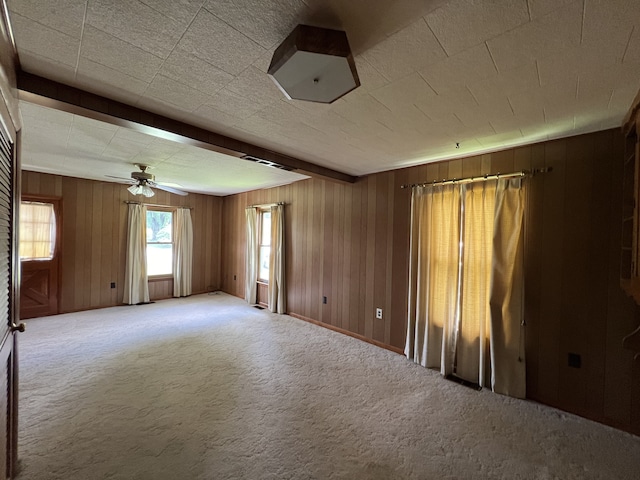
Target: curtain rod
(129, 202)
(481, 178)
(266, 205)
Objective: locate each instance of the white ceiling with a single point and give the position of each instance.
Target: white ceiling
(487, 74)
(65, 144)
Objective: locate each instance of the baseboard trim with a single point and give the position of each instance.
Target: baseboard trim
(357, 336)
(391, 348)
(98, 307)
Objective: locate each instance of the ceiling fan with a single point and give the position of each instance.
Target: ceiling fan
(142, 182)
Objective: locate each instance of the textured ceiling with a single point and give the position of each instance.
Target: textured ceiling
(75, 146)
(487, 74)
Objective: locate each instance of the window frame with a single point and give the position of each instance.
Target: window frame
(162, 276)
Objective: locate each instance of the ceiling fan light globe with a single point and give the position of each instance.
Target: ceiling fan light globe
(133, 189)
(147, 191)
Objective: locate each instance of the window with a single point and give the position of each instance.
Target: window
(265, 246)
(37, 231)
(159, 242)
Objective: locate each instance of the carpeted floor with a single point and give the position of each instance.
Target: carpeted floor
(209, 388)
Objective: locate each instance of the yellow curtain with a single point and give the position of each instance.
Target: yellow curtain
(466, 282)
(434, 274)
(478, 200)
(507, 291)
(37, 231)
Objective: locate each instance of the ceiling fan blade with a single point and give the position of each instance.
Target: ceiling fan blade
(169, 189)
(128, 180)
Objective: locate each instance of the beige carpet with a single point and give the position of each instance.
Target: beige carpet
(209, 388)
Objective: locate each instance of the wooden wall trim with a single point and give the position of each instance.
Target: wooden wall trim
(45, 92)
(391, 348)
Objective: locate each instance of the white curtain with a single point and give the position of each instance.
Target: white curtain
(136, 287)
(251, 264)
(276, 261)
(466, 283)
(183, 255)
(37, 230)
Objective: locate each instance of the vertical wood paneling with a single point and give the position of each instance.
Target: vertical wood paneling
(87, 238)
(598, 261)
(81, 232)
(622, 317)
(316, 212)
(94, 226)
(550, 356)
(455, 169)
(368, 272)
(502, 162)
(306, 241)
(472, 166)
(198, 213)
(443, 171)
(356, 238)
(327, 230)
(400, 271)
(388, 251)
(106, 252)
(576, 288)
(364, 309)
(67, 295)
(208, 240)
(121, 240)
(351, 243)
(347, 252)
(533, 264)
(381, 228)
(240, 246)
(432, 173)
(97, 227)
(337, 241)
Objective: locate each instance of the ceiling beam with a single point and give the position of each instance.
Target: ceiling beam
(47, 93)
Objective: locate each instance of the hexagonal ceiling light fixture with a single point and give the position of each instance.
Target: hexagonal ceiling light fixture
(314, 64)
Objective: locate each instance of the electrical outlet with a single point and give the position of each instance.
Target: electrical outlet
(324, 300)
(113, 284)
(379, 313)
(234, 277)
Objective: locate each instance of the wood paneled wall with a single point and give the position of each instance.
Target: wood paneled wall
(94, 235)
(350, 243)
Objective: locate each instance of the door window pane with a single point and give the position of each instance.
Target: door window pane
(37, 231)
